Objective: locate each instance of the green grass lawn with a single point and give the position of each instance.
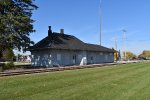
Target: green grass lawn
(22, 63)
(122, 82)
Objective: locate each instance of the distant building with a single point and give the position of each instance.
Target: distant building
(28, 59)
(59, 49)
(24, 58)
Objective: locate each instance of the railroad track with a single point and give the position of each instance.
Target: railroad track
(42, 70)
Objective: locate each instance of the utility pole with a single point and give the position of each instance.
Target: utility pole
(100, 22)
(116, 53)
(124, 32)
(115, 43)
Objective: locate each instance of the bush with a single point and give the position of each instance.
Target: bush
(1, 66)
(9, 65)
(8, 54)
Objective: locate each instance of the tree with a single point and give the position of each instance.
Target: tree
(129, 55)
(145, 54)
(117, 55)
(8, 54)
(16, 24)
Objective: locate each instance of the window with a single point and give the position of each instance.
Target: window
(58, 56)
(101, 53)
(45, 56)
(32, 56)
(50, 61)
(79, 56)
(91, 58)
(74, 57)
(110, 54)
(38, 57)
(106, 57)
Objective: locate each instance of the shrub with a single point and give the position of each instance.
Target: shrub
(9, 65)
(1, 66)
(8, 54)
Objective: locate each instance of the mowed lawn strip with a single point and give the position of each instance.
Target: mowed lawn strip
(121, 82)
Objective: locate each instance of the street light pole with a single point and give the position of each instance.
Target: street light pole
(124, 31)
(100, 22)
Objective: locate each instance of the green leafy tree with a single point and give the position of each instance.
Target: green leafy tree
(129, 55)
(8, 54)
(16, 24)
(145, 54)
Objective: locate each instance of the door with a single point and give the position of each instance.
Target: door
(74, 59)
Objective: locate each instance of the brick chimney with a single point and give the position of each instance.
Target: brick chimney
(61, 31)
(49, 30)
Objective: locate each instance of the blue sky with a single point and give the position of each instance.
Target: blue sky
(81, 18)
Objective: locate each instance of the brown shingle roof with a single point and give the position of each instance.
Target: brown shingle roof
(69, 42)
